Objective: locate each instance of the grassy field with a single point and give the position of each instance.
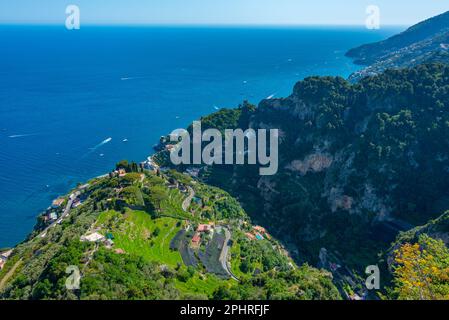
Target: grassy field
(235, 260)
(136, 233)
(172, 205)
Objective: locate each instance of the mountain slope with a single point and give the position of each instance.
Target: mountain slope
(371, 53)
(425, 42)
(129, 237)
(357, 163)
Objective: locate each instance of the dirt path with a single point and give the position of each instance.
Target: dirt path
(9, 274)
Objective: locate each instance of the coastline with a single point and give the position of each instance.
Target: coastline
(156, 105)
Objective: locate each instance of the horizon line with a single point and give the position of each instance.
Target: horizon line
(221, 25)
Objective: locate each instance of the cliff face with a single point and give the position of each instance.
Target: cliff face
(357, 163)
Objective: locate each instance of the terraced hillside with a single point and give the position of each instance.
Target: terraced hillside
(128, 235)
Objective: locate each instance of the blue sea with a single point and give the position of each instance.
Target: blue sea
(69, 99)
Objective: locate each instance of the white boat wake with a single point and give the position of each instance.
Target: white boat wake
(22, 135)
(101, 144)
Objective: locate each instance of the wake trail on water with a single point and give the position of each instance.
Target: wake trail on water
(105, 141)
(101, 144)
(14, 136)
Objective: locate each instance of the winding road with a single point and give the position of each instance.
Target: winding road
(186, 203)
(224, 254)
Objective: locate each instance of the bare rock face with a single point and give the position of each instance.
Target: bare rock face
(339, 201)
(312, 163)
(371, 202)
(357, 163)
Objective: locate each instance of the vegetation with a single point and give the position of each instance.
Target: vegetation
(421, 270)
(421, 43)
(352, 158)
(139, 214)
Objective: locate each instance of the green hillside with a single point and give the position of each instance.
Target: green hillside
(131, 236)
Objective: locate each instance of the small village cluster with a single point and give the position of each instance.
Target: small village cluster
(57, 210)
(258, 233)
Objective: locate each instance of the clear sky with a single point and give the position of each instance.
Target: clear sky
(221, 12)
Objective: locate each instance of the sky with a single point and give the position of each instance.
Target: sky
(220, 12)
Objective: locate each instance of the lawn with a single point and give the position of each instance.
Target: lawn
(134, 232)
(172, 204)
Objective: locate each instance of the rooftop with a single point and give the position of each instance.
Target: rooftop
(94, 237)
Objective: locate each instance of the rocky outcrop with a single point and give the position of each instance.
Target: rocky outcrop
(312, 163)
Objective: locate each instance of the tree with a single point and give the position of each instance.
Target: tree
(124, 164)
(422, 270)
(156, 196)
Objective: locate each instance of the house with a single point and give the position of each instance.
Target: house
(52, 216)
(169, 147)
(250, 236)
(76, 203)
(196, 240)
(5, 255)
(260, 229)
(205, 228)
(57, 203)
(93, 237)
(121, 172)
(150, 165)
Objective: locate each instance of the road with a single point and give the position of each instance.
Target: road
(224, 254)
(65, 213)
(72, 197)
(188, 200)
